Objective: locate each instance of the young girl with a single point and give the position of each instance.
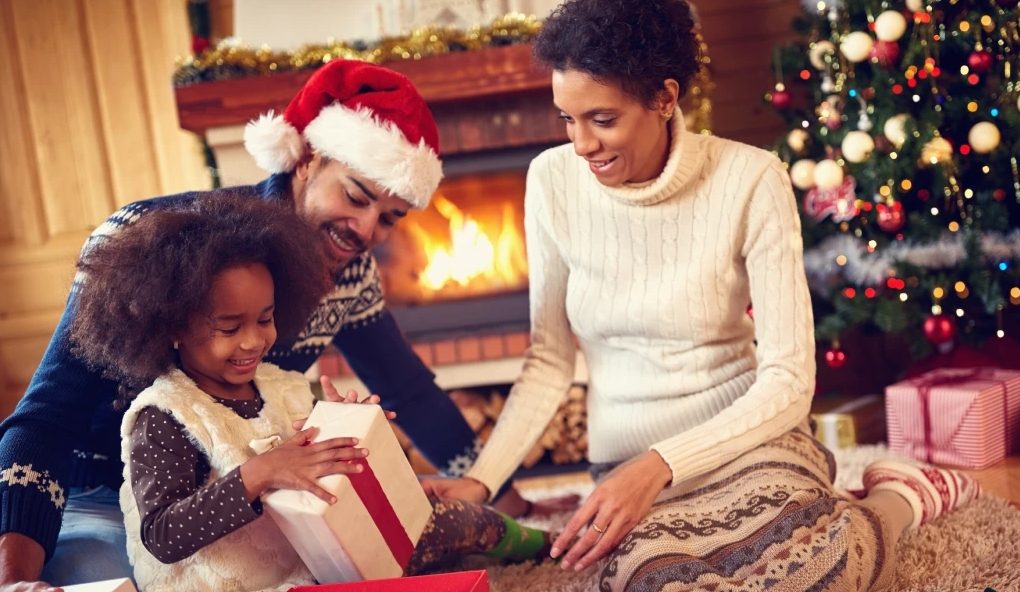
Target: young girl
(225, 275)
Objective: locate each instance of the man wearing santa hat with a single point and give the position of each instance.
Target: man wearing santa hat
(355, 150)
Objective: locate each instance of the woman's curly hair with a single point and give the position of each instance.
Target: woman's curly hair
(144, 284)
(635, 44)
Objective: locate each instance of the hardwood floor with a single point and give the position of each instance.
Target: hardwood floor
(1001, 479)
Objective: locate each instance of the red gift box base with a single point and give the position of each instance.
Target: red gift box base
(463, 581)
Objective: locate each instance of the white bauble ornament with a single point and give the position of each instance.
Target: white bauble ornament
(857, 46)
(890, 26)
(797, 140)
(895, 129)
(984, 137)
(818, 51)
(857, 146)
(802, 173)
(828, 174)
(915, 5)
(937, 150)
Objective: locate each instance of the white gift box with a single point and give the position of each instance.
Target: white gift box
(380, 513)
(117, 585)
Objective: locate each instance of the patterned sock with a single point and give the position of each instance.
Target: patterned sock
(929, 490)
(520, 542)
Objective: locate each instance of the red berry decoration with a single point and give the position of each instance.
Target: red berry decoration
(890, 218)
(835, 358)
(781, 99)
(979, 61)
(886, 53)
(939, 329)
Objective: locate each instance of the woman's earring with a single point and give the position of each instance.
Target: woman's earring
(176, 344)
(667, 116)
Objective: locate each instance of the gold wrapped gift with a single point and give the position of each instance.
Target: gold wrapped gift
(845, 422)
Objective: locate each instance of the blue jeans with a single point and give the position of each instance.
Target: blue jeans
(91, 546)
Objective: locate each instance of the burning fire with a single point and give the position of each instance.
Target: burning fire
(474, 258)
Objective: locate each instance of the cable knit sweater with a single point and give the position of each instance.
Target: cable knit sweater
(654, 280)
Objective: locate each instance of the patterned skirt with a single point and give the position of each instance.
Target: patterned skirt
(768, 520)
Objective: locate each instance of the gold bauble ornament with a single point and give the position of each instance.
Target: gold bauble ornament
(938, 150)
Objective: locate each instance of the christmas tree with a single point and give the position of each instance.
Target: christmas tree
(902, 146)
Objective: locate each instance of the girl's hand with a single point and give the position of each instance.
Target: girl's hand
(622, 499)
(298, 463)
(465, 489)
(330, 393)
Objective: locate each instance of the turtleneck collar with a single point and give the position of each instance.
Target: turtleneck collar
(684, 163)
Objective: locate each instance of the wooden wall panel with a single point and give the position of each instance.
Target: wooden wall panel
(741, 36)
(88, 124)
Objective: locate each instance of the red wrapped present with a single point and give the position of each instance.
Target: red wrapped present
(968, 418)
(372, 529)
(462, 581)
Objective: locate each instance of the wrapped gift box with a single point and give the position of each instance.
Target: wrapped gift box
(463, 581)
(371, 530)
(845, 422)
(967, 418)
(117, 585)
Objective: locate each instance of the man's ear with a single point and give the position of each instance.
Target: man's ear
(304, 166)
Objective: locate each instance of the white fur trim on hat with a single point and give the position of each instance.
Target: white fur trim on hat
(276, 146)
(378, 150)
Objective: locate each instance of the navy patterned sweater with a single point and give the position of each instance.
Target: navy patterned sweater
(64, 432)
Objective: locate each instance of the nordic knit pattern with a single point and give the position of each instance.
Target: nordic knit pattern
(256, 556)
(655, 281)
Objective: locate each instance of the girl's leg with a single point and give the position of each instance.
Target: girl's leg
(461, 528)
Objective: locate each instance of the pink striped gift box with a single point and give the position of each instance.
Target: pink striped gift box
(967, 418)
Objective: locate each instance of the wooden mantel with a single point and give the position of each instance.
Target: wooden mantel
(489, 99)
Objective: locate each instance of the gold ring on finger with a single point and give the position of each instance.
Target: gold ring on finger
(597, 529)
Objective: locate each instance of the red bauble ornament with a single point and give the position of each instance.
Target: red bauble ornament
(979, 61)
(890, 218)
(999, 194)
(939, 329)
(886, 53)
(199, 44)
(835, 358)
(781, 99)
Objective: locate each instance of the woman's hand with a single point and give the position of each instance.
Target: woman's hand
(622, 499)
(298, 463)
(465, 489)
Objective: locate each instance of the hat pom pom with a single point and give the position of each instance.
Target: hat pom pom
(274, 144)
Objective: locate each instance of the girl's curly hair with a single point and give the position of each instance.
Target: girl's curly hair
(142, 285)
(634, 44)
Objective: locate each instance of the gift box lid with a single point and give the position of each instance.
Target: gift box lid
(462, 581)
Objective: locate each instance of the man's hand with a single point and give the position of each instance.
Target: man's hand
(21, 561)
(620, 501)
(465, 489)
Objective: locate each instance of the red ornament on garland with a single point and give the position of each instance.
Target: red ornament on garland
(835, 358)
(781, 98)
(999, 194)
(939, 329)
(199, 44)
(979, 61)
(890, 218)
(886, 53)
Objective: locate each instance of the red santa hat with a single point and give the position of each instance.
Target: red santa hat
(366, 116)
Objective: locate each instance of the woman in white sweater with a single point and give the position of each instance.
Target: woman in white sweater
(646, 245)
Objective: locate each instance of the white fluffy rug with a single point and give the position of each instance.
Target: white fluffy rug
(971, 549)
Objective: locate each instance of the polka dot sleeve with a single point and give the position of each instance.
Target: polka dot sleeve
(180, 512)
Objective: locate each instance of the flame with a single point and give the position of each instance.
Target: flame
(473, 257)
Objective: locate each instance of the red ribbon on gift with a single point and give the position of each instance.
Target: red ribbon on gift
(371, 493)
(929, 381)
